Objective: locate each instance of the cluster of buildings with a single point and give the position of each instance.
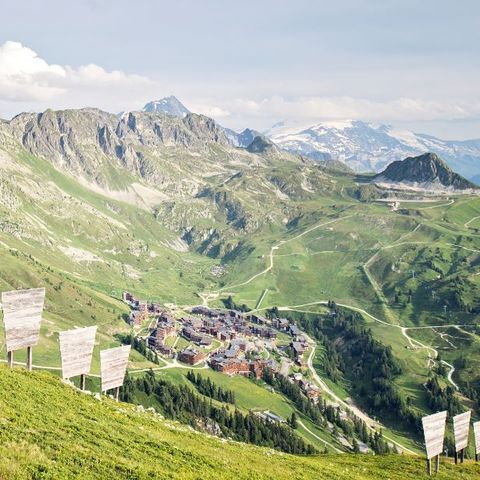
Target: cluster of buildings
(233, 328)
(299, 343)
(164, 328)
(311, 391)
(299, 346)
(191, 356)
(140, 310)
(228, 324)
(243, 337)
(234, 361)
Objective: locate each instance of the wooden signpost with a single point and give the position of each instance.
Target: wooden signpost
(22, 314)
(434, 432)
(461, 427)
(76, 348)
(476, 434)
(113, 365)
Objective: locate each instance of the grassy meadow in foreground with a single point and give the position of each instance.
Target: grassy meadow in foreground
(50, 431)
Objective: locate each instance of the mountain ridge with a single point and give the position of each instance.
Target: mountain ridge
(366, 146)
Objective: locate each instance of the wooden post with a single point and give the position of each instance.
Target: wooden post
(83, 379)
(29, 359)
(437, 463)
(10, 358)
(476, 457)
(462, 455)
(456, 457)
(117, 393)
(429, 466)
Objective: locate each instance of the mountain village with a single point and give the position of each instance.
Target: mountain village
(228, 341)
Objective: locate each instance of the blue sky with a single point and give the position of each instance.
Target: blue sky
(250, 63)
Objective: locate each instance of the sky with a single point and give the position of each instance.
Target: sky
(252, 63)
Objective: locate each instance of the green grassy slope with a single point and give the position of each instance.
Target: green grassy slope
(85, 247)
(254, 396)
(50, 431)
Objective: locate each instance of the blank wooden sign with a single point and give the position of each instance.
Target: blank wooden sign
(22, 314)
(76, 348)
(434, 432)
(476, 434)
(113, 363)
(461, 427)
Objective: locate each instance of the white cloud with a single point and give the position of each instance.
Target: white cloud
(93, 75)
(28, 79)
(29, 82)
(209, 110)
(25, 76)
(341, 108)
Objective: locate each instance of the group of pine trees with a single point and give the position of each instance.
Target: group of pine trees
(208, 388)
(230, 304)
(439, 398)
(372, 366)
(140, 346)
(321, 414)
(180, 403)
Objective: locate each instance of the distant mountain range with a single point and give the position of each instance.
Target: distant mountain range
(361, 146)
(367, 147)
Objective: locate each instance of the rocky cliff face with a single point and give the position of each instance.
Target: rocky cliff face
(428, 171)
(89, 143)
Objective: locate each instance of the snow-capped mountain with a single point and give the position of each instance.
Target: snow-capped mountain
(171, 105)
(368, 147)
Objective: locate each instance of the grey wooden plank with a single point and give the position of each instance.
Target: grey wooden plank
(434, 433)
(76, 348)
(476, 434)
(22, 315)
(113, 364)
(461, 427)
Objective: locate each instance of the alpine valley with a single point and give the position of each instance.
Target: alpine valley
(355, 267)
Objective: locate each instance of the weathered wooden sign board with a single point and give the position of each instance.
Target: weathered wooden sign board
(22, 314)
(434, 432)
(76, 348)
(113, 365)
(476, 434)
(461, 427)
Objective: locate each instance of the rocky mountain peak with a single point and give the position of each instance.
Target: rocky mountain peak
(261, 144)
(170, 105)
(426, 171)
